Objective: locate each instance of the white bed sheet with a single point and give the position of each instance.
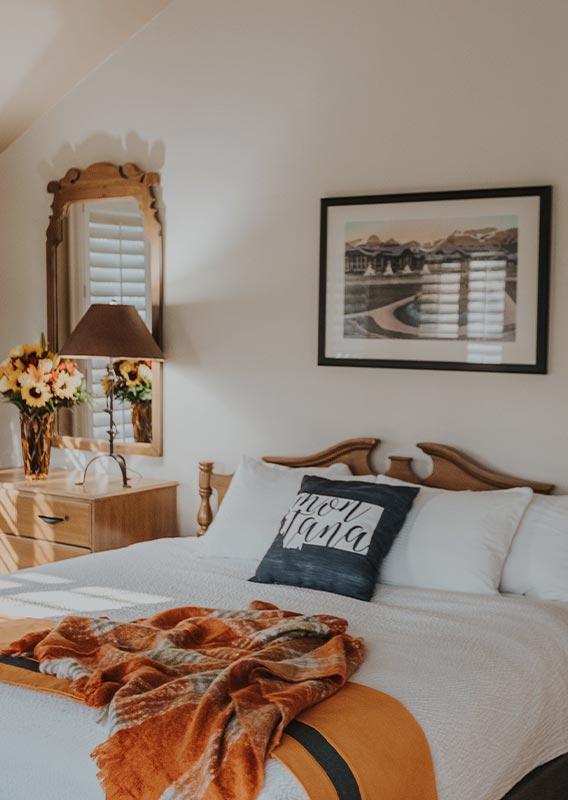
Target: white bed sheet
(485, 676)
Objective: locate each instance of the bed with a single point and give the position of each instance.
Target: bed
(486, 677)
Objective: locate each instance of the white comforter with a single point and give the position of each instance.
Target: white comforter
(486, 677)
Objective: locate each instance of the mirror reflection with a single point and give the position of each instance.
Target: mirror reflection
(104, 257)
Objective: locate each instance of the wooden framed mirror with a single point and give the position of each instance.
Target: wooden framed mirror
(104, 244)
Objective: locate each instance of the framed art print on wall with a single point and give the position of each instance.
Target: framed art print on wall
(453, 280)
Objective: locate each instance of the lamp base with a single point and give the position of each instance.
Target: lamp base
(120, 460)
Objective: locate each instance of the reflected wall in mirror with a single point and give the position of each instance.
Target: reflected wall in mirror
(104, 245)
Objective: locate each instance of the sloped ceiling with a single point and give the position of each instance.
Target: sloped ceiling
(48, 46)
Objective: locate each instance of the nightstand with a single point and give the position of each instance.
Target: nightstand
(46, 521)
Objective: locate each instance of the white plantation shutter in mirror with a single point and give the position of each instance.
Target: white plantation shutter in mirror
(112, 258)
(117, 258)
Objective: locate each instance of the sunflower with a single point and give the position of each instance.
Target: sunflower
(129, 371)
(133, 380)
(41, 372)
(34, 394)
(66, 385)
(33, 353)
(33, 377)
(145, 372)
(17, 352)
(15, 364)
(33, 350)
(106, 384)
(10, 371)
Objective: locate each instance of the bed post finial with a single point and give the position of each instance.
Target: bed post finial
(205, 513)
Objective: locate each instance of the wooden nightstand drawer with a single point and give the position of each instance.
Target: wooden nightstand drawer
(18, 552)
(53, 519)
(61, 517)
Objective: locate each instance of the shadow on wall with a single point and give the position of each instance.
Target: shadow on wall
(177, 334)
(10, 445)
(150, 157)
(104, 147)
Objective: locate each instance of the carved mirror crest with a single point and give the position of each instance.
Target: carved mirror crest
(104, 244)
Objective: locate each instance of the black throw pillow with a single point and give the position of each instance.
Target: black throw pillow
(335, 536)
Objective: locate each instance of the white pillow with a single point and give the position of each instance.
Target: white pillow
(538, 562)
(457, 541)
(258, 497)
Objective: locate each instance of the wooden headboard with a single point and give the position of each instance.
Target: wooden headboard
(451, 469)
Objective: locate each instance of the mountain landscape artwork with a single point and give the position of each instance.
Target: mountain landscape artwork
(445, 280)
(432, 279)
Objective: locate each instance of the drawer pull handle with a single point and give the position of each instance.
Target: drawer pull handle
(51, 520)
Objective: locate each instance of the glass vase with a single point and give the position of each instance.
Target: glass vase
(141, 412)
(37, 433)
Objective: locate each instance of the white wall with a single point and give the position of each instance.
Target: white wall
(253, 110)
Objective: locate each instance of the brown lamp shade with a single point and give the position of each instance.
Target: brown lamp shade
(112, 331)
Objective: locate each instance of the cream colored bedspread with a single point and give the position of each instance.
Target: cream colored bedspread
(486, 677)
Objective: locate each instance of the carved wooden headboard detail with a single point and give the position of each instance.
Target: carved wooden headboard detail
(450, 470)
(355, 453)
(454, 470)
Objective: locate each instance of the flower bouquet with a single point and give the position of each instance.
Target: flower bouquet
(132, 383)
(38, 382)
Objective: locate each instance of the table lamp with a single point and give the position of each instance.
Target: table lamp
(115, 332)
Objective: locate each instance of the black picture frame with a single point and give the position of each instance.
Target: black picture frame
(540, 363)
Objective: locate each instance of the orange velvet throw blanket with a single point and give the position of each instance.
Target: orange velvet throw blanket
(197, 698)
